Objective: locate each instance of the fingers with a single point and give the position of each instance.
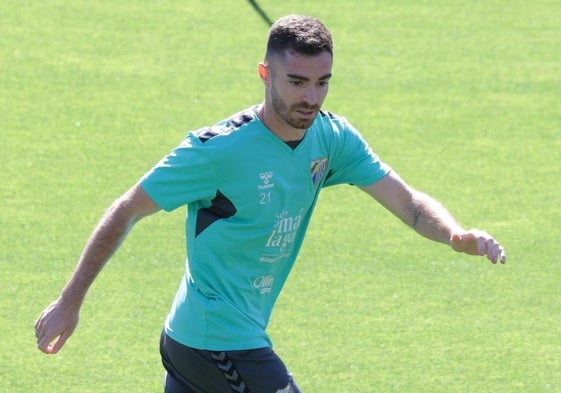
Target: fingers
(39, 332)
(476, 242)
(50, 341)
(52, 346)
(502, 256)
(489, 247)
(45, 339)
(54, 326)
(494, 251)
(45, 344)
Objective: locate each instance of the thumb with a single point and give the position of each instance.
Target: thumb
(57, 344)
(465, 243)
(456, 242)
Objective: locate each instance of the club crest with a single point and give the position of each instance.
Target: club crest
(317, 169)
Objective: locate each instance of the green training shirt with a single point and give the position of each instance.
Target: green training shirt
(250, 197)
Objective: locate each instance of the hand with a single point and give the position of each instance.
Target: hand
(55, 325)
(476, 242)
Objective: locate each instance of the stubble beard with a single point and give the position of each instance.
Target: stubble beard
(285, 112)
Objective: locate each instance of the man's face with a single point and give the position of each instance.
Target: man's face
(298, 87)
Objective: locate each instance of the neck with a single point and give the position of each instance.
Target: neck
(278, 126)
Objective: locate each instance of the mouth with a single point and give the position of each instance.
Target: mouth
(306, 112)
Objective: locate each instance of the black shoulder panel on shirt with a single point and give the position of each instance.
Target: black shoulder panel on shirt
(206, 133)
(236, 121)
(240, 119)
(220, 208)
(327, 114)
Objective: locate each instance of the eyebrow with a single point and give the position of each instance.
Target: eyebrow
(303, 78)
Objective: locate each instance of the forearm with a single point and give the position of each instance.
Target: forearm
(102, 244)
(57, 322)
(430, 219)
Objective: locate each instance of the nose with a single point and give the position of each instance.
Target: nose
(310, 97)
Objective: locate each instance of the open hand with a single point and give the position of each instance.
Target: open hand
(476, 242)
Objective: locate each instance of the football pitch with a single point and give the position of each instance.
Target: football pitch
(462, 99)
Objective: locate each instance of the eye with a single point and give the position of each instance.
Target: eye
(296, 83)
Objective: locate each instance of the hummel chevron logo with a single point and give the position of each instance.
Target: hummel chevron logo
(229, 371)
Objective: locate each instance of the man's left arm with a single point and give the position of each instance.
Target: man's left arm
(430, 219)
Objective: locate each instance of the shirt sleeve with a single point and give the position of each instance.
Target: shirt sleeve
(354, 162)
(183, 176)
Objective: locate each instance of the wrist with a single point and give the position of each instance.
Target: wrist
(71, 297)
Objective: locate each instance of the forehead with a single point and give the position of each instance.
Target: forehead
(311, 67)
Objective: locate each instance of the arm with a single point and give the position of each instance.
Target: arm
(58, 321)
(430, 219)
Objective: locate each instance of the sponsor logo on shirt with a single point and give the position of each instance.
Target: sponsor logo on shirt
(273, 258)
(266, 180)
(264, 283)
(284, 232)
(280, 242)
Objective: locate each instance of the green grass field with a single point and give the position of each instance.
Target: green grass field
(463, 99)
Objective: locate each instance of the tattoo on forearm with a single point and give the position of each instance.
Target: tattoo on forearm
(416, 218)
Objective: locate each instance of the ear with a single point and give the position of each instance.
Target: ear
(263, 70)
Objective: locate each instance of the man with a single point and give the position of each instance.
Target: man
(250, 183)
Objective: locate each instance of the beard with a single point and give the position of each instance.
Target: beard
(289, 113)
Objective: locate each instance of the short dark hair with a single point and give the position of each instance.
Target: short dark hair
(300, 34)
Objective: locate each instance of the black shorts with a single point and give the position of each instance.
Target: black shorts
(190, 370)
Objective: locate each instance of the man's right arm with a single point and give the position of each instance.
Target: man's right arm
(58, 321)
